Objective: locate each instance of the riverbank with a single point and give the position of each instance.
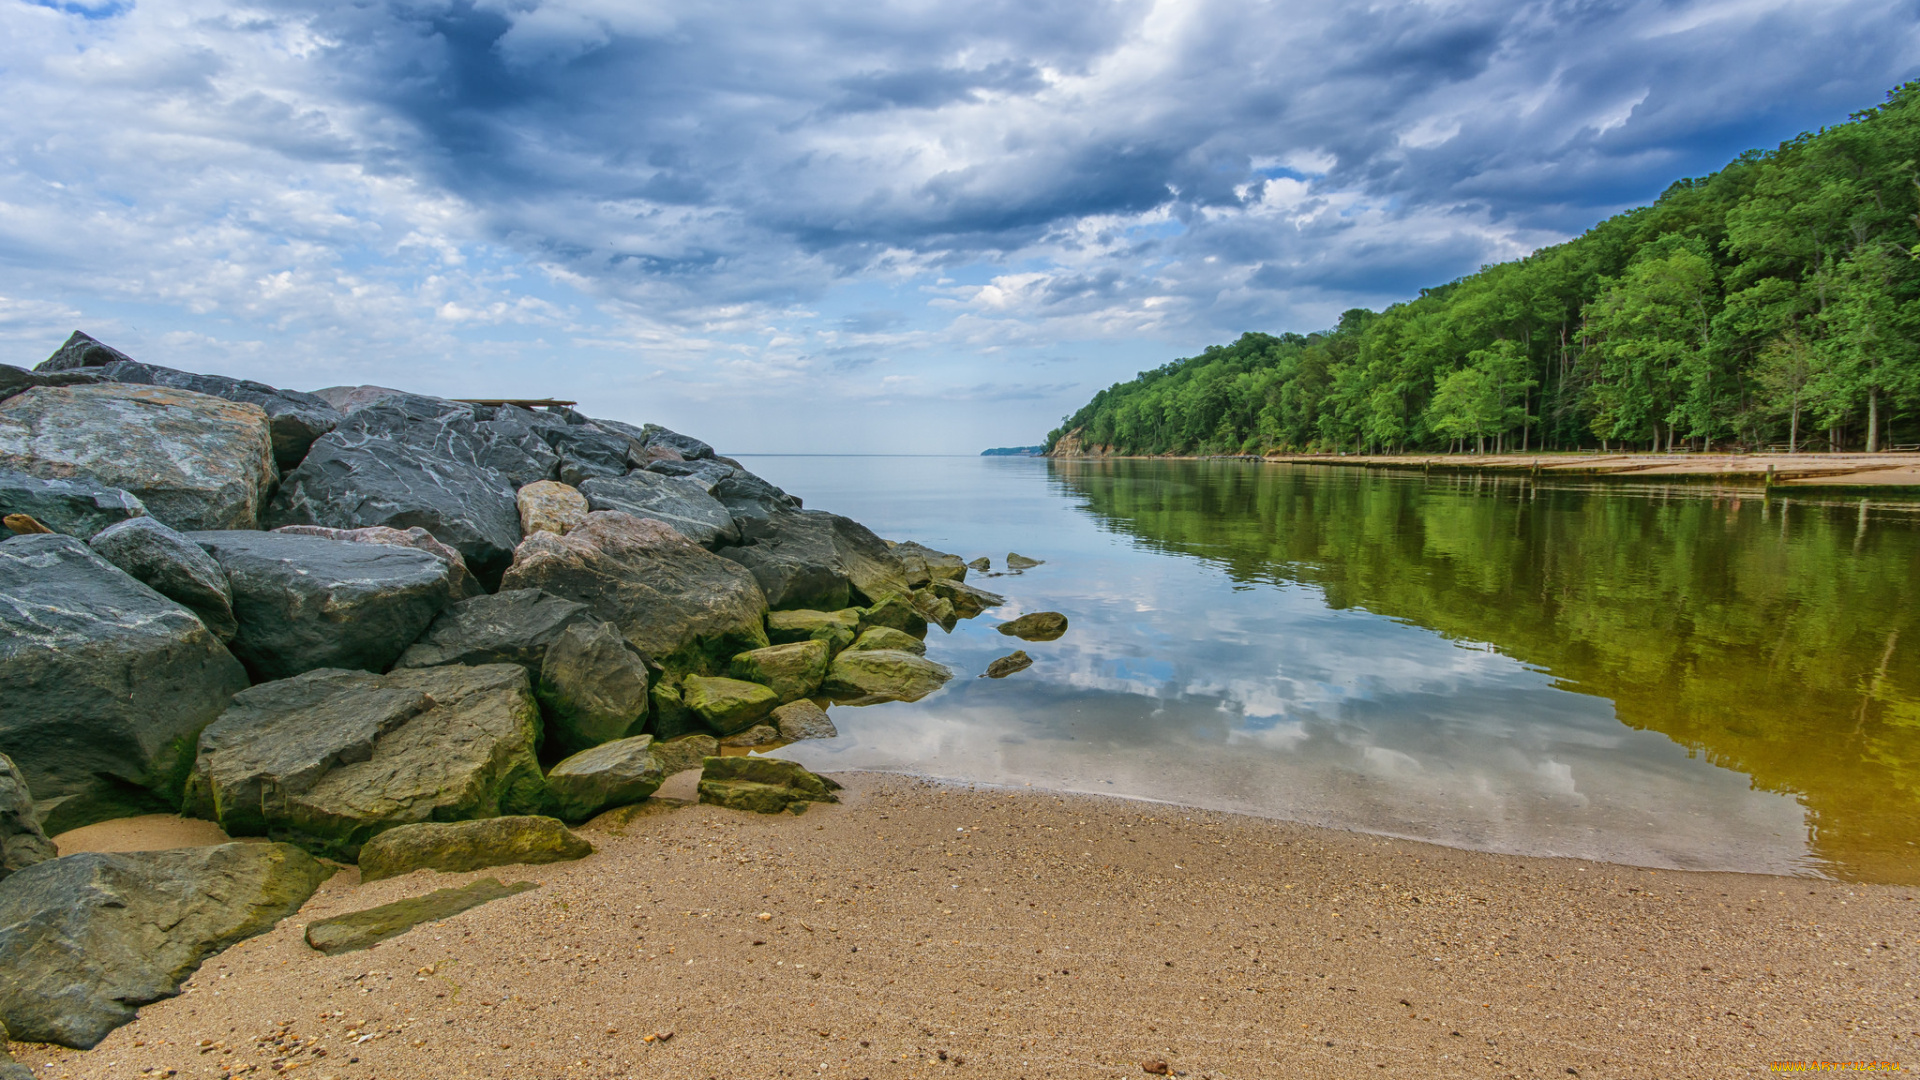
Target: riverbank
(1789, 470)
(919, 927)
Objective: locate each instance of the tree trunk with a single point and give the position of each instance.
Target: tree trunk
(1873, 419)
(1793, 431)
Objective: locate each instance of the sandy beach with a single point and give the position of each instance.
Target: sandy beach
(918, 928)
(1889, 469)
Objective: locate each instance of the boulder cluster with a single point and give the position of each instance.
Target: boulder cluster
(331, 619)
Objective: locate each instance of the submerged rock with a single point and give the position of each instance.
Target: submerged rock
(87, 939)
(1036, 626)
(349, 933)
(550, 506)
(763, 785)
(1017, 561)
(194, 462)
(513, 626)
(678, 503)
(173, 566)
(1014, 661)
(727, 705)
(106, 683)
(331, 758)
(967, 601)
(306, 602)
(982, 564)
(593, 686)
(75, 505)
(803, 719)
(22, 841)
(884, 675)
(886, 637)
(791, 671)
(612, 774)
(456, 847)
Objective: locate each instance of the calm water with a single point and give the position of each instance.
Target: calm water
(1660, 676)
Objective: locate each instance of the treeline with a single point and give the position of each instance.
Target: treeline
(1775, 303)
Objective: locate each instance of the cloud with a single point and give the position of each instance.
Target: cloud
(771, 205)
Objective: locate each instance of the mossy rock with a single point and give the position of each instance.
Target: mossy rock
(763, 785)
(727, 705)
(347, 933)
(836, 628)
(886, 637)
(884, 675)
(459, 846)
(1036, 626)
(612, 774)
(686, 752)
(900, 613)
(792, 671)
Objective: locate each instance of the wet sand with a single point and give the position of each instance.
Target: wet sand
(919, 928)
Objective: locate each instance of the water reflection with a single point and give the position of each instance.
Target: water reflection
(1657, 678)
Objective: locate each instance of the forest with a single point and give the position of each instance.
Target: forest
(1774, 304)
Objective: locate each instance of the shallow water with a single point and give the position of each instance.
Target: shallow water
(1672, 676)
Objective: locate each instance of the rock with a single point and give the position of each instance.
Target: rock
(682, 504)
(306, 602)
(1014, 661)
(967, 601)
(886, 637)
(379, 469)
(1036, 626)
(667, 714)
(757, 735)
(752, 501)
(331, 758)
(593, 686)
(87, 939)
(704, 474)
(923, 564)
(688, 447)
(727, 705)
(1017, 561)
(81, 351)
(173, 566)
(884, 675)
(898, 614)
(455, 847)
(352, 399)
(9, 1068)
(686, 752)
(22, 841)
(790, 671)
(514, 626)
(24, 525)
(620, 818)
(194, 462)
(683, 607)
(1155, 1067)
(803, 719)
(587, 452)
(295, 419)
(763, 785)
(76, 506)
(461, 583)
(812, 559)
(348, 933)
(934, 609)
(106, 683)
(982, 564)
(15, 380)
(612, 774)
(836, 628)
(515, 448)
(550, 506)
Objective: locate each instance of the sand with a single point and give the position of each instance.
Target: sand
(148, 832)
(1893, 470)
(919, 928)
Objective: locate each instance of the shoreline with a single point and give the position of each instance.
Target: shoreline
(924, 925)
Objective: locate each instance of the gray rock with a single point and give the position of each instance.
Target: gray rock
(81, 351)
(457, 847)
(680, 503)
(707, 474)
(686, 752)
(683, 607)
(933, 609)
(173, 566)
(923, 564)
(586, 452)
(752, 502)
(812, 559)
(803, 719)
(690, 448)
(194, 461)
(351, 399)
(900, 614)
(884, 675)
(305, 602)
(617, 773)
(362, 929)
(461, 582)
(296, 419)
(75, 506)
(106, 683)
(514, 626)
(331, 758)
(22, 841)
(9, 1068)
(15, 380)
(88, 939)
(593, 686)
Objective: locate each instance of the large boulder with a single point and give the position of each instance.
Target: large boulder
(77, 506)
(813, 559)
(88, 939)
(461, 582)
(612, 774)
(923, 564)
(194, 461)
(173, 566)
(791, 671)
(586, 451)
(593, 686)
(900, 614)
(797, 720)
(15, 380)
(332, 758)
(686, 752)
(705, 474)
(306, 602)
(296, 419)
(550, 506)
(106, 683)
(836, 629)
(513, 626)
(81, 351)
(727, 705)
(763, 785)
(683, 607)
(383, 466)
(457, 847)
(682, 504)
(884, 675)
(22, 841)
(686, 446)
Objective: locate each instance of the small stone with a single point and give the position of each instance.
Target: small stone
(1014, 661)
(803, 719)
(346, 933)
(981, 564)
(1017, 561)
(1155, 1067)
(836, 628)
(459, 846)
(550, 506)
(24, 525)
(757, 735)
(1036, 626)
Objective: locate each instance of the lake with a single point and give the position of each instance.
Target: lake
(1670, 675)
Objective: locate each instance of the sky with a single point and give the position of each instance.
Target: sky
(821, 226)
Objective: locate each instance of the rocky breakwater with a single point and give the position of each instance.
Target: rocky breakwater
(328, 618)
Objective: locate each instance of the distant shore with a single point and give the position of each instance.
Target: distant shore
(919, 928)
(1759, 470)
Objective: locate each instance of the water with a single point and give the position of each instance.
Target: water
(1671, 676)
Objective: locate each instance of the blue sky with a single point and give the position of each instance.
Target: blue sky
(819, 226)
